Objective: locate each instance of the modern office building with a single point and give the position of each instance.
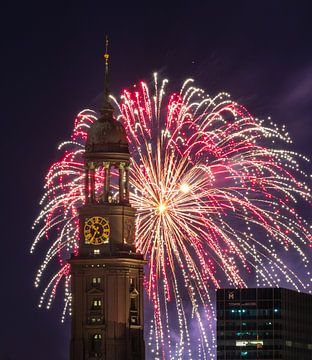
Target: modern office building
(264, 323)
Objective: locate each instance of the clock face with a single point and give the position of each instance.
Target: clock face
(96, 230)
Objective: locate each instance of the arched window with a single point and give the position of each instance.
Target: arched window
(96, 345)
(96, 282)
(96, 304)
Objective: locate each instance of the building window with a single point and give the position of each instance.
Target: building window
(95, 320)
(257, 343)
(96, 251)
(134, 314)
(96, 280)
(96, 345)
(96, 303)
(134, 318)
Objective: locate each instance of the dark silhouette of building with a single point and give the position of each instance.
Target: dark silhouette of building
(264, 323)
(107, 275)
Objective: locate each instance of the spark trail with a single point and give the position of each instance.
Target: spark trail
(216, 195)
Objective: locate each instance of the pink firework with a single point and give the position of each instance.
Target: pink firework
(216, 196)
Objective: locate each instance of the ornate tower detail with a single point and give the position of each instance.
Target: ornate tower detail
(107, 275)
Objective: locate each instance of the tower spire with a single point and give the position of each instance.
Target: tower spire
(106, 103)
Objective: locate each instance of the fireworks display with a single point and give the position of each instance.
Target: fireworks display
(216, 195)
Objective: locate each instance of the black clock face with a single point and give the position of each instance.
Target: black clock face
(96, 230)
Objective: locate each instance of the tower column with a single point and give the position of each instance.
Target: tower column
(87, 184)
(127, 184)
(121, 182)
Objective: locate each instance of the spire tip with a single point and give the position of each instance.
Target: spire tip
(106, 103)
(106, 55)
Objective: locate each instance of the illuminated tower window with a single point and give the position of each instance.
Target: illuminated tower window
(96, 303)
(96, 345)
(96, 281)
(134, 314)
(95, 320)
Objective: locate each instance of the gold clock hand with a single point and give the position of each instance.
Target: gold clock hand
(92, 237)
(96, 229)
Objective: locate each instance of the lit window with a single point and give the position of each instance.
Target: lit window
(96, 341)
(96, 280)
(257, 343)
(95, 320)
(96, 251)
(96, 303)
(134, 320)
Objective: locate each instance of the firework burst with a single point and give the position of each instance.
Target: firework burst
(215, 194)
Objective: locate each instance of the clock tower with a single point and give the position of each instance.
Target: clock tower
(107, 275)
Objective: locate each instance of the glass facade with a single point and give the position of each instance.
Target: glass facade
(264, 323)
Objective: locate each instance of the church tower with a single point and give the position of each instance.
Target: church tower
(107, 275)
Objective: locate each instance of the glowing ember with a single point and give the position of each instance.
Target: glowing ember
(161, 208)
(185, 188)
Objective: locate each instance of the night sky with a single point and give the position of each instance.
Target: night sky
(52, 67)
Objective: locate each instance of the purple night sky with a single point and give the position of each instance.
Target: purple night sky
(258, 51)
